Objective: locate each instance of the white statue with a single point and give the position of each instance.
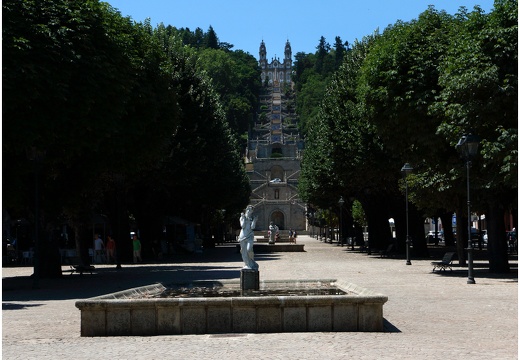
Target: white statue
(247, 238)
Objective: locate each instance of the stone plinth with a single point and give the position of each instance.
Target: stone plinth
(249, 279)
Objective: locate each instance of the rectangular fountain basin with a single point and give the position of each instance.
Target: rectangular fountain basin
(139, 312)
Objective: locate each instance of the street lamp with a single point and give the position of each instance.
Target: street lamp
(224, 224)
(405, 170)
(341, 202)
(351, 231)
(468, 148)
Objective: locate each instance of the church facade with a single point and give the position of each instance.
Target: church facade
(276, 70)
(274, 150)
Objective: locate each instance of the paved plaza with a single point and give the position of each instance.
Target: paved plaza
(427, 316)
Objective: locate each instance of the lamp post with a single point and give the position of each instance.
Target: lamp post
(405, 170)
(341, 202)
(224, 230)
(468, 148)
(351, 230)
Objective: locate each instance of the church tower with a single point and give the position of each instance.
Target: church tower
(276, 70)
(288, 52)
(263, 55)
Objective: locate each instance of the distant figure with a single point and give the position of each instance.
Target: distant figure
(111, 250)
(137, 249)
(273, 231)
(98, 248)
(292, 236)
(246, 238)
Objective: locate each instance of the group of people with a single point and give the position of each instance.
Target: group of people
(104, 252)
(108, 252)
(274, 234)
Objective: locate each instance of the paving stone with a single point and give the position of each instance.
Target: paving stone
(427, 316)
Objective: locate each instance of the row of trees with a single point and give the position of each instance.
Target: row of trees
(408, 95)
(105, 115)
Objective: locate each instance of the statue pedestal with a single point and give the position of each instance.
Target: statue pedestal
(249, 279)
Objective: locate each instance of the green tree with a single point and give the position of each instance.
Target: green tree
(323, 49)
(84, 86)
(211, 40)
(339, 51)
(399, 81)
(479, 79)
(202, 169)
(236, 78)
(308, 100)
(345, 157)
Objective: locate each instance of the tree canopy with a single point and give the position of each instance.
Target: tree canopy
(102, 105)
(408, 95)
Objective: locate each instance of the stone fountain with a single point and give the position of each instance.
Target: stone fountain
(248, 306)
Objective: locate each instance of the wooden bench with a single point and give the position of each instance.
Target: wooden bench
(445, 263)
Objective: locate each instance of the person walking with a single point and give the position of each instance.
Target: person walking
(137, 249)
(98, 248)
(110, 249)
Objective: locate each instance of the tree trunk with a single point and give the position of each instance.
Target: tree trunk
(462, 234)
(358, 234)
(120, 229)
(417, 234)
(50, 266)
(83, 240)
(446, 218)
(497, 241)
(379, 235)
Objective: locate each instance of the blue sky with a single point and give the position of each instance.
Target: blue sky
(245, 23)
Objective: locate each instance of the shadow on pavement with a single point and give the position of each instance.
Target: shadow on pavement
(108, 279)
(480, 271)
(12, 306)
(389, 327)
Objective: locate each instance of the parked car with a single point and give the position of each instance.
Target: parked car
(477, 237)
(431, 239)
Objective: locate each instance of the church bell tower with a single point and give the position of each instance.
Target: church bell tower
(288, 52)
(263, 55)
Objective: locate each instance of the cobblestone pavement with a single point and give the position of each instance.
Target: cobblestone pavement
(428, 315)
